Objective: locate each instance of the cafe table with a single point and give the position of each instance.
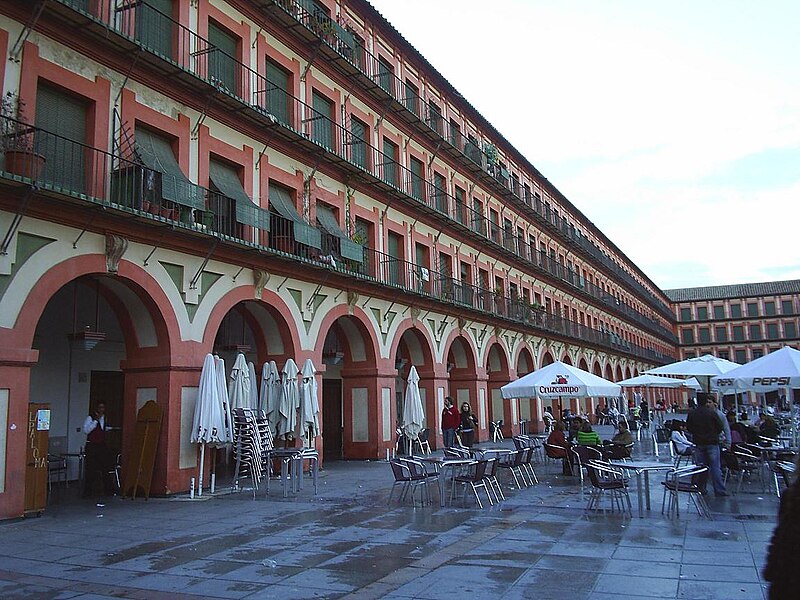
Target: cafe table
(443, 466)
(643, 468)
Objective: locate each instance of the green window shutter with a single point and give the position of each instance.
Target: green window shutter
(281, 202)
(440, 193)
(278, 86)
(385, 75)
(156, 153)
(226, 180)
(64, 117)
(417, 190)
(155, 27)
(322, 125)
(222, 66)
(347, 247)
(389, 162)
(358, 143)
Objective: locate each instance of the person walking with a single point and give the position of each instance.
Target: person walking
(705, 426)
(450, 421)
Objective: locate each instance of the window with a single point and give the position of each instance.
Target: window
(686, 314)
(508, 234)
(417, 179)
(757, 353)
(156, 153)
(736, 311)
(477, 217)
(455, 134)
(719, 312)
(772, 331)
(689, 354)
(752, 309)
(222, 65)
(702, 313)
(786, 307)
(687, 336)
(471, 150)
(322, 120)
(738, 333)
(412, 99)
(723, 354)
(337, 242)
(394, 266)
(703, 335)
(789, 330)
(755, 332)
(389, 165)
(230, 204)
(63, 115)
(460, 209)
(386, 75)
(720, 334)
(434, 117)
(440, 193)
(494, 226)
(769, 308)
(286, 225)
(154, 26)
(515, 184)
(359, 55)
(740, 356)
(278, 93)
(526, 193)
(358, 143)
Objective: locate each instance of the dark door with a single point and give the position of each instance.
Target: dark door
(332, 419)
(108, 387)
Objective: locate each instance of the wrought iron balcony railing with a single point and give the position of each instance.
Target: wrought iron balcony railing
(64, 168)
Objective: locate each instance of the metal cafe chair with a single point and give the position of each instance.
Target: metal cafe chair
(476, 479)
(497, 430)
(407, 480)
(605, 478)
(685, 480)
(513, 462)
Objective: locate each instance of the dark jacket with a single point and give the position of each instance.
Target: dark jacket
(781, 570)
(705, 426)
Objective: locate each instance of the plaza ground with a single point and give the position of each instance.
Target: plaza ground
(348, 542)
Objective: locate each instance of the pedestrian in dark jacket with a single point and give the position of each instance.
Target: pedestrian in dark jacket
(467, 425)
(705, 426)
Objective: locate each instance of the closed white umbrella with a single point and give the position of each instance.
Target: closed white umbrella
(271, 392)
(208, 424)
(290, 399)
(222, 393)
(239, 385)
(251, 369)
(309, 402)
(413, 412)
(692, 383)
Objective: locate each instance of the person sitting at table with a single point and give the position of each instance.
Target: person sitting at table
(623, 437)
(559, 441)
(588, 436)
(575, 425)
(736, 434)
(682, 444)
(769, 428)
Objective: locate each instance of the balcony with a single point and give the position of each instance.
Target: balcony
(237, 88)
(77, 173)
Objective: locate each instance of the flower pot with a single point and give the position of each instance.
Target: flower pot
(166, 212)
(145, 206)
(24, 163)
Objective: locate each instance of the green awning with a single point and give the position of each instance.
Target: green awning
(304, 233)
(156, 153)
(227, 182)
(347, 247)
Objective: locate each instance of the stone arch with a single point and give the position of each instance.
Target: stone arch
(566, 359)
(547, 359)
(619, 375)
(597, 369)
(498, 374)
(412, 345)
(583, 365)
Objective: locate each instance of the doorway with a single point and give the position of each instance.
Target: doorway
(332, 446)
(108, 387)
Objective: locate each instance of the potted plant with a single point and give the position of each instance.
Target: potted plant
(17, 139)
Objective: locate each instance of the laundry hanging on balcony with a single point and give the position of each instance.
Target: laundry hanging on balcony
(156, 153)
(347, 247)
(304, 233)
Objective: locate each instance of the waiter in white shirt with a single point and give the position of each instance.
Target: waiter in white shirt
(97, 455)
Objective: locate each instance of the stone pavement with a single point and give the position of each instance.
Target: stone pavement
(346, 542)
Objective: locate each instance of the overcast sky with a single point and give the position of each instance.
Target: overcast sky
(674, 125)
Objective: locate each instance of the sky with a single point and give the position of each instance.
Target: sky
(673, 125)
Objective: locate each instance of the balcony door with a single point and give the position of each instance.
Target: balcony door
(63, 119)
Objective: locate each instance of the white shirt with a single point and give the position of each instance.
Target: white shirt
(681, 441)
(90, 424)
